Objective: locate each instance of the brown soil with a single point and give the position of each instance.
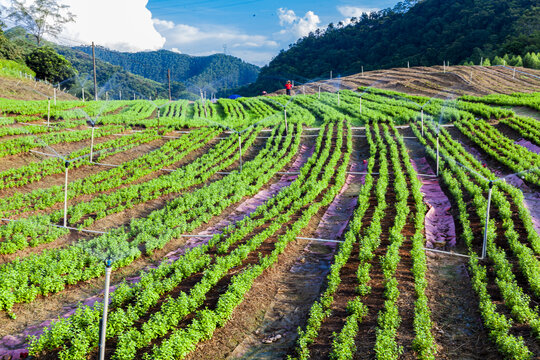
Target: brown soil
(432, 81)
(24, 89)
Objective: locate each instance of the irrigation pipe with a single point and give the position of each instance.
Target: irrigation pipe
(447, 252)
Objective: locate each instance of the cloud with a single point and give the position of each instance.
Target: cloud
(123, 25)
(210, 39)
(352, 11)
(296, 25)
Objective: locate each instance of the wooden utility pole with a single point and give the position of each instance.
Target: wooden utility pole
(95, 76)
(169, 78)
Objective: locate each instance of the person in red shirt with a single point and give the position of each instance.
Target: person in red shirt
(288, 87)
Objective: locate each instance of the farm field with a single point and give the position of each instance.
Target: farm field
(342, 224)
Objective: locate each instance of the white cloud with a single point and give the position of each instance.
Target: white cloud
(209, 39)
(296, 25)
(352, 11)
(124, 25)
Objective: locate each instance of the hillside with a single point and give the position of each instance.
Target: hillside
(423, 33)
(214, 72)
(434, 81)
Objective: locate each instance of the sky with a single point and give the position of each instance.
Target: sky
(253, 30)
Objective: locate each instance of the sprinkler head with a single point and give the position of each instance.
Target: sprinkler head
(108, 262)
(67, 164)
(490, 184)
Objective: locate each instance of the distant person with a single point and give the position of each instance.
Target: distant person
(288, 87)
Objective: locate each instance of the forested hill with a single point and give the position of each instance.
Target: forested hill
(425, 32)
(217, 71)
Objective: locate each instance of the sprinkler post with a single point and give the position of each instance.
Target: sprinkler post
(103, 334)
(286, 127)
(437, 154)
(319, 91)
(92, 143)
(422, 119)
(338, 100)
(158, 115)
(54, 96)
(48, 112)
(240, 150)
(83, 94)
(360, 104)
(514, 76)
(484, 245)
(66, 193)
(362, 70)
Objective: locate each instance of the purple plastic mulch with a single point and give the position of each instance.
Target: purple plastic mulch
(439, 223)
(529, 146)
(15, 345)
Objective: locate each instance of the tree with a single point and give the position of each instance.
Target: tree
(42, 17)
(49, 65)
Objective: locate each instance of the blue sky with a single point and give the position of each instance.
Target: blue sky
(254, 30)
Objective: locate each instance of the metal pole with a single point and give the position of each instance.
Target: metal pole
(48, 112)
(103, 334)
(422, 117)
(338, 100)
(330, 74)
(106, 96)
(65, 194)
(319, 91)
(95, 76)
(362, 70)
(360, 104)
(54, 96)
(286, 127)
(303, 90)
(158, 114)
(437, 154)
(484, 246)
(120, 94)
(481, 61)
(408, 65)
(83, 94)
(514, 76)
(240, 150)
(169, 78)
(92, 145)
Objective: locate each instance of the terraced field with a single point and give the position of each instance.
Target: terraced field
(332, 225)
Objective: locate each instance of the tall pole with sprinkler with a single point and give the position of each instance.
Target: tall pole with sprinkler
(484, 245)
(362, 70)
(66, 193)
(48, 112)
(286, 127)
(514, 76)
(95, 75)
(319, 91)
(330, 74)
(437, 154)
(422, 119)
(338, 100)
(103, 332)
(120, 94)
(481, 61)
(83, 94)
(240, 150)
(54, 96)
(158, 114)
(408, 65)
(92, 143)
(169, 79)
(360, 104)
(106, 96)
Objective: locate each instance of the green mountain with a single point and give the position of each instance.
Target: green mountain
(212, 73)
(421, 32)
